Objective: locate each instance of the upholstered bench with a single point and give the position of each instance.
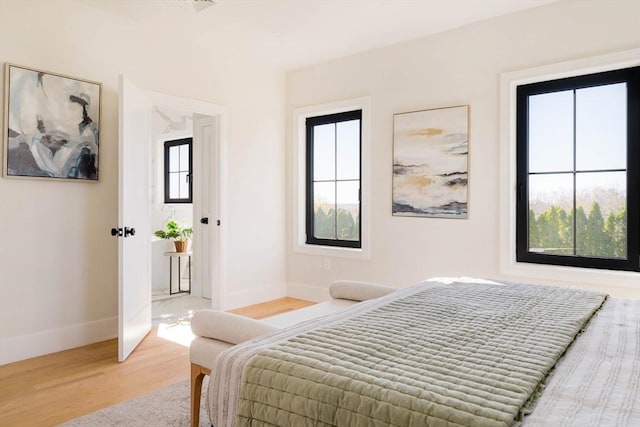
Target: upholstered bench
(217, 331)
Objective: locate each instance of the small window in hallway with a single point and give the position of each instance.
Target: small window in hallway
(178, 164)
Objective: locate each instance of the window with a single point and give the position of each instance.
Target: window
(333, 171)
(302, 197)
(578, 141)
(178, 164)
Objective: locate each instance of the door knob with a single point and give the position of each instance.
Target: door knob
(129, 231)
(204, 220)
(116, 232)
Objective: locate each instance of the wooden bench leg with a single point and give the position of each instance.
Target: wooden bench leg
(197, 375)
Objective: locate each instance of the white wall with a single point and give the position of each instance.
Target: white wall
(458, 67)
(58, 263)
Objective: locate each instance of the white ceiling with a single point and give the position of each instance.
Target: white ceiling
(296, 33)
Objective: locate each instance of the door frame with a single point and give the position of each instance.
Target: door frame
(217, 235)
(205, 201)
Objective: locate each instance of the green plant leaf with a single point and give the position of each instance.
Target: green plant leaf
(175, 231)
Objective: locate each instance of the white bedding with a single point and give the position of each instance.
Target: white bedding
(597, 382)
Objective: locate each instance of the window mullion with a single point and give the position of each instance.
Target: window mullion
(575, 168)
(335, 176)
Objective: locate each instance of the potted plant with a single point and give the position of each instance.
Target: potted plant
(181, 234)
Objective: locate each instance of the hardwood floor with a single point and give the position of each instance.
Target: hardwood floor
(271, 308)
(48, 390)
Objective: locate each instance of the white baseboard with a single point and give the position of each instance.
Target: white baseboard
(308, 292)
(238, 299)
(23, 347)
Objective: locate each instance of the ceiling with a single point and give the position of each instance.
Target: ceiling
(295, 33)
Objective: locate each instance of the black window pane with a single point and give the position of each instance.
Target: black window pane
(324, 152)
(348, 149)
(348, 220)
(174, 158)
(601, 222)
(551, 132)
(324, 202)
(601, 127)
(184, 185)
(550, 214)
(174, 185)
(184, 158)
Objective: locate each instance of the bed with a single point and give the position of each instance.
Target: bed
(441, 353)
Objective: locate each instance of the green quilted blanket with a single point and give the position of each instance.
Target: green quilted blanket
(462, 354)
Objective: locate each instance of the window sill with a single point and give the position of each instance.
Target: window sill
(176, 206)
(575, 275)
(332, 251)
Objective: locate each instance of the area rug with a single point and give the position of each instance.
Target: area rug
(167, 407)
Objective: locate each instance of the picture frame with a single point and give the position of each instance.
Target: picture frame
(51, 125)
(431, 163)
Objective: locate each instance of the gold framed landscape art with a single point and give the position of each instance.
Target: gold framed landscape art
(430, 163)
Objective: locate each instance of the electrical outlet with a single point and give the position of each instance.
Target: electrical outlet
(326, 263)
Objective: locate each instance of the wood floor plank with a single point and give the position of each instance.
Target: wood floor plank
(51, 389)
(279, 306)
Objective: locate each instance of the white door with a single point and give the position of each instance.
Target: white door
(134, 278)
(206, 153)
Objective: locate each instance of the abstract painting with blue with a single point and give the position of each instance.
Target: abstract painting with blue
(52, 125)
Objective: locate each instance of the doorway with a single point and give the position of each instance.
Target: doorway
(134, 229)
(183, 187)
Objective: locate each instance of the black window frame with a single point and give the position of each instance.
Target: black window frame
(167, 146)
(311, 122)
(630, 76)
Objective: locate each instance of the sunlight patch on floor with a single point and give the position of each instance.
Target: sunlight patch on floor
(176, 330)
(172, 316)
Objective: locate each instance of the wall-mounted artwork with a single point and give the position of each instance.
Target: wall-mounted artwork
(51, 125)
(430, 167)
